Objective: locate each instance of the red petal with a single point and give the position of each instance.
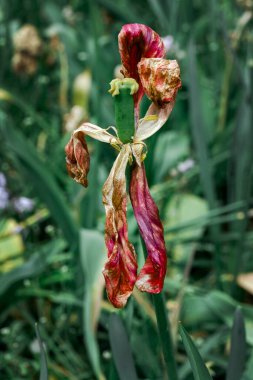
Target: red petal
(137, 41)
(120, 271)
(151, 276)
(78, 159)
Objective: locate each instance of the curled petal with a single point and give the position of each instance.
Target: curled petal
(137, 41)
(151, 276)
(78, 159)
(77, 154)
(160, 79)
(120, 271)
(154, 119)
(96, 133)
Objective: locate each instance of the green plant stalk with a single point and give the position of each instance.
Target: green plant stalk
(124, 114)
(124, 109)
(164, 330)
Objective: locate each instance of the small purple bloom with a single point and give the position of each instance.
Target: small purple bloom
(23, 204)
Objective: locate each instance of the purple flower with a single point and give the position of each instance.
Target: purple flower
(23, 204)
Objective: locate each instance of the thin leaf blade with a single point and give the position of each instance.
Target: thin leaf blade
(121, 350)
(43, 358)
(237, 357)
(199, 369)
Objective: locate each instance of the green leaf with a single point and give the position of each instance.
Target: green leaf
(200, 372)
(237, 357)
(93, 254)
(43, 358)
(249, 370)
(184, 208)
(171, 147)
(121, 350)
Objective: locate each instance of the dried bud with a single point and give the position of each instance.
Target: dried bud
(160, 79)
(78, 159)
(27, 39)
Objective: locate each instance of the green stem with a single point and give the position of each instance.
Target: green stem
(164, 329)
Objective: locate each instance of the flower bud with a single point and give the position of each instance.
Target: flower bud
(160, 79)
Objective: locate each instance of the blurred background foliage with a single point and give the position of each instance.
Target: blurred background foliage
(57, 59)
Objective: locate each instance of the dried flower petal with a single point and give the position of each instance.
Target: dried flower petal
(77, 154)
(120, 271)
(137, 41)
(96, 133)
(160, 79)
(154, 119)
(78, 159)
(151, 276)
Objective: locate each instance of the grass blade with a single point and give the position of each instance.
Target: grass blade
(93, 255)
(237, 358)
(121, 349)
(200, 372)
(43, 358)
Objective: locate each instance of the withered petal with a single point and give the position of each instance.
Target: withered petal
(120, 270)
(160, 79)
(137, 41)
(78, 159)
(96, 133)
(151, 276)
(77, 154)
(154, 119)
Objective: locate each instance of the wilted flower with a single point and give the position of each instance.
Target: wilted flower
(145, 70)
(28, 45)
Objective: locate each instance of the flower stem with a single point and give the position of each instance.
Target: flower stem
(164, 329)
